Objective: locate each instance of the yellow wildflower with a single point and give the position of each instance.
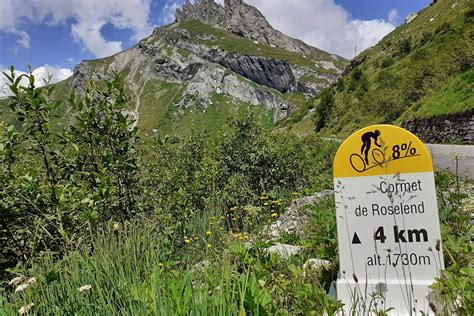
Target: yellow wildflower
(209, 246)
(196, 238)
(265, 204)
(209, 233)
(274, 215)
(187, 241)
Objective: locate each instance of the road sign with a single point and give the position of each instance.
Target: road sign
(387, 222)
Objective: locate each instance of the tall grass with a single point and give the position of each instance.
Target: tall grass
(130, 272)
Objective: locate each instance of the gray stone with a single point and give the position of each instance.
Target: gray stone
(293, 219)
(283, 250)
(312, 265)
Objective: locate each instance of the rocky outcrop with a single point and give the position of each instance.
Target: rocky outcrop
(245, 20)
(276, 74)
(293, 219)
(169, 70)
(450, 128)
(82, 73)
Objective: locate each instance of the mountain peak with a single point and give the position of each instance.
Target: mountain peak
(244, 20)
(232, 16)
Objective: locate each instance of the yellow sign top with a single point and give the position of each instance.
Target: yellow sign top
(381, 150)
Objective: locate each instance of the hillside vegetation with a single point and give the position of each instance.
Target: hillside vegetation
(423, 68)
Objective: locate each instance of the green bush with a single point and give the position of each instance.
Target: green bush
(324, 108)
(59, 182)
(405, 46)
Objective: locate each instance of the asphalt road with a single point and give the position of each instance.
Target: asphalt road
(444, 157)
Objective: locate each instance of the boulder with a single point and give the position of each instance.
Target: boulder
(283, 250)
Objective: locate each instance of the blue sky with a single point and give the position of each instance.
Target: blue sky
(61, 33)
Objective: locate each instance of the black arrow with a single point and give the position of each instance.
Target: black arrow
(355, 239)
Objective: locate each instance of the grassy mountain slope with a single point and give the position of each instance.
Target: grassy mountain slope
(423, 68)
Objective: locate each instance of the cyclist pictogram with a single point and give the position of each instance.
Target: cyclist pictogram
(361, 163)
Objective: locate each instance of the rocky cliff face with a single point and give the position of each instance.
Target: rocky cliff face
(210, 50)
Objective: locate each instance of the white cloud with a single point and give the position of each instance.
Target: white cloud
(87, 16)
(169, 9)
(323, 24)
(90, 36)
(393, 16)
(40, 73)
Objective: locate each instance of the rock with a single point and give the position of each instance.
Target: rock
(276, 74)
(410, 17)
(328, 65)
(312, 265)
(82, 73)
(310, 200)
(292, 220)
(283, 250)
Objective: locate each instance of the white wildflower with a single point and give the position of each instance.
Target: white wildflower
(25, 309)
(456, 156)
(84, 288)
(21, 287)
(31, 280)
(15, 281)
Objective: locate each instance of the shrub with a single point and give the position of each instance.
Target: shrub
(387, 62)
(60, 182)
(324, 108)
(405, 46)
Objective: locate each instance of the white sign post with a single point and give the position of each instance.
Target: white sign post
(387, 222)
